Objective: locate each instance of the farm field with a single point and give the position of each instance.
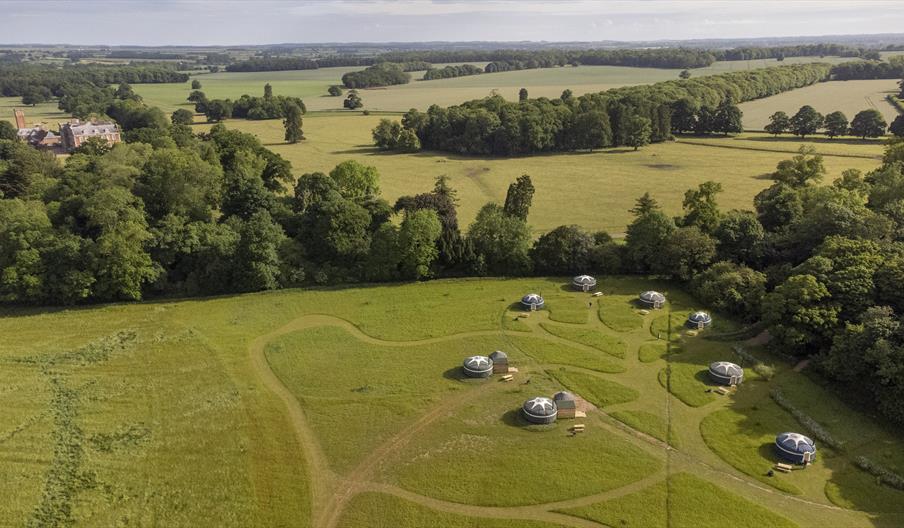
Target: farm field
(848, 96)
(346, 407)
(608, 181)
(311, 85)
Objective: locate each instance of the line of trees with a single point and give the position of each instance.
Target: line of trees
(459, 70)
(17, 80)
(257, 64)
(247, 106)
(891, 69)
(643, 58)
(802, 50)
(383, 74)
(630, 116)
(807, 121)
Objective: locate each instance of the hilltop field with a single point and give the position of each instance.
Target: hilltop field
(346, 408)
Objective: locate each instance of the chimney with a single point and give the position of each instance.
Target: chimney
(20, 118)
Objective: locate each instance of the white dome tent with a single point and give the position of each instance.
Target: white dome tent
(583, 282)
(726, 373)
(795, 447)
(478, 367)
(532, 302)
(652, 299)
(699, 320)
(540, 410)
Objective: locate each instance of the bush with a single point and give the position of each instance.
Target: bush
(767, 372)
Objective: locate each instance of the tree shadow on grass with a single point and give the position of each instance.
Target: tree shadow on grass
(812, 139)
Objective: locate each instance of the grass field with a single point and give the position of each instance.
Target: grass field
(848, 96)
(346, 407)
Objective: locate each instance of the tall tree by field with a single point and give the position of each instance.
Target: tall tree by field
(353, 100)
(292, 124)
(638, 132)
(836, 124)
(182, 117)
(685, 74)
(501, 241)
(806, 122)
(195, 84)
(36, 95)
(7, 131)
(567, 95)
(218, 110)
(646, 236)
(522, 94)
(897, 126)
(417, 241)
(684, 115)
(728, 117)
(700, 207)
(779, 123)
(268, 91)
(868, 123)
(806, 167)
(519, 197)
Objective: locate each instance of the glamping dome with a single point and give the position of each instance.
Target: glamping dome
(699, 320)
(795, 447)
(583, 282)
(652, 299)
(726, 373)
(539, 410)
(532, 301)
(478, 367)
(500, 361)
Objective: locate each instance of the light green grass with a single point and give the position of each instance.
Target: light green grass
(378, 510)
(692, 502)
(746, 440)
(687, 383)
(857, 490)
(618, 312)
(653, 350)
(510, 321)
(645, 422)
(485, 454)
(590, 337)
(596, 390)
(562, 354)
(567, 309)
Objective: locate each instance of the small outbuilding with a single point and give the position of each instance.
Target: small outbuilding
(500, 362)
(652, 299)
(699, 320)
(583, 282)
(540, 410)
(478, 367)
(532, 302)
(566, 404)
(726, 373)
(795, 447)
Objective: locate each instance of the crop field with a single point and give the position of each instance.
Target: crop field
(849, 97)
(311, 85)
(346, 407)
(594, 190)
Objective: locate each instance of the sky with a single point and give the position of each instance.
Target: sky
(237, 22)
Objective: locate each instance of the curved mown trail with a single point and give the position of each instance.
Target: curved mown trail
(331, 493)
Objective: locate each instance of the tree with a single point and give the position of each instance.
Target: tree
(800, 314)
(739, 237)
(591, 130)
(647, 235)
(356, 181)
(779, 123)
(519, 197)
(35, 95)
(567, 95)
(564, 250)
(685, 252)
(386, 134)
(897, 126)
(731, 288)
(836, 124)
(218, 110)
(124, 91)
(417, 242)
(334, 90)
(806, 121)
(501, 241)
(408, 141)
(195, 84)
(268, 91)
(522, 94)
(685, 74)
(7, 131)
(868, 123)
(700, 207)
(182, 117)
(728, 117)
(644, 205)
(257, 262)
(178, 182)
(638, 131)
(805, 167)
(684, 115)
(705, 121)
(292, 123)
(353, 101)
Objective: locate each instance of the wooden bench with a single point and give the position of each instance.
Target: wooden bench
(723, 391)
(523, 315)
(507, 377)
(597, 294)
(644, 312)
(784, 468)
(577, 427)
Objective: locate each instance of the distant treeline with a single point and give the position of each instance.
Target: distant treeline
(383, 74)
(150, 55)
(448, 72)
(530, 59)
(780, 52)
(846, 71)
(296, 63)
(629, 116)
(18, 79)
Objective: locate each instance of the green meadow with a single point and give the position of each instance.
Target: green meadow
(347, 407)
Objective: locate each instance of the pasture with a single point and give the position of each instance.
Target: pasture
(849, 97)
(346, 407)
(593, 190)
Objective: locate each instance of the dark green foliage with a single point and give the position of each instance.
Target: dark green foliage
(18, 79)
(195, 84)
(731, 288)
(739, 237)
(459, 70)
(564, 250)
(7, 131)
(896, 127)
(868, 123)
(806, 121)
(383, 74)
(334, 90)
(353, 101)
(836, 124)
(779, 123)
(519, 197)
(700, 207)
(267, 107)
(647, 235)
(522, 94)
(501, 241)
(182, 117)
(292, 123)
